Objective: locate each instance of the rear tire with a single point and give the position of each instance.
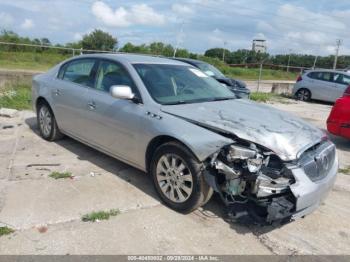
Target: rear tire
(47, 123)
(178, 178)
(303, 94)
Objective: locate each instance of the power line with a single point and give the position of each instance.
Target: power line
(58, 47)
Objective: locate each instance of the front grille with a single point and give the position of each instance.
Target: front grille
(318, 161)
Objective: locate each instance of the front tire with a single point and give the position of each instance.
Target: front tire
(47, 123)
(178, 178)
(303, 94)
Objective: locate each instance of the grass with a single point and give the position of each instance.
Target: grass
(100, 215)
(269, 97)
(345, 170)
(60, 175)
(249, 73)
(30, 60)
(253, 73)
(6, 231)
(16, 96)
(43, 61)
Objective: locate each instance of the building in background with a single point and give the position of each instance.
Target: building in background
(259, 45)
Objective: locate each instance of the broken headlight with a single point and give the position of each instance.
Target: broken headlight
(253, 159)
(247, 169)
(254, 164)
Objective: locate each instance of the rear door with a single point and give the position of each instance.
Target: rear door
(113, 124)
(69, 94)
(322, 85)
(341, 82)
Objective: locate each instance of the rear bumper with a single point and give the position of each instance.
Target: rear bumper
(308, 194)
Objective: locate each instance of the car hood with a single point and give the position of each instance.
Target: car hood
(280, 132)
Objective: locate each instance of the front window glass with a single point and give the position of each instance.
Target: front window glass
(110, 74)
(210, 70)
(80, 72)
(346, 80)
(176, 84)
(342, 79)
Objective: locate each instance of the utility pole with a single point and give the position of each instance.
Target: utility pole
(315, 61)
(178, 37)
(223, 52)
(260, 73)
(338, 43)
(290, 51)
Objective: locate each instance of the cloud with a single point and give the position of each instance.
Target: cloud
(6, 19)
(217, 31)
(77, 36)
(139, 14)
(182, 9)
(304, 31)
(27, 24)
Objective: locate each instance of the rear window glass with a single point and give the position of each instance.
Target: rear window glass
(325, 76)
(80, 72)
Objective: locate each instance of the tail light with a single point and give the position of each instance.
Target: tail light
(347, 91)
(299, 78)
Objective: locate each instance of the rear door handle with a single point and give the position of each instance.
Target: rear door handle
(92, 105)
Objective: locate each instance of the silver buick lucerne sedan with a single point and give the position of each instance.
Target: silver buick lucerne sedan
(190, 133)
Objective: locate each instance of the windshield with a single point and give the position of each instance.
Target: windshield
(175, 84)
(210, 70)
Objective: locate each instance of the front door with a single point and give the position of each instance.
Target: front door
(114, 124)
(341, 82)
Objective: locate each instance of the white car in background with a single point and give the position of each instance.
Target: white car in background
(325, 85)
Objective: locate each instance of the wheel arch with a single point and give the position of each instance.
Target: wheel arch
(156, 142)
(41, 100)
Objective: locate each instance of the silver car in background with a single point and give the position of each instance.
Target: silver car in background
(189, 133)
(324, 85)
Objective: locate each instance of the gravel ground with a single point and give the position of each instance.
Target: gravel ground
(46, 213)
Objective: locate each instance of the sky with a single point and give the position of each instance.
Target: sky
(296, 26)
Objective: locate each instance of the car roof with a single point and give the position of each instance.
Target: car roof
(189, 60)
(135, 58)
(326, 70)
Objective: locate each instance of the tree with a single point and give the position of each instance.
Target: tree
(99, 40)
(217, 53)
(45, 41)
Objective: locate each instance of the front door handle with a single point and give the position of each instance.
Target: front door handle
(57, 92)
(92, 105)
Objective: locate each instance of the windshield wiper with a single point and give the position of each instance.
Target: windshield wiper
(222, 98)
(176, 103)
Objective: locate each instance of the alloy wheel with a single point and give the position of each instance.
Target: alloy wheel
(45, 121)
(303, 95)
(174, 178)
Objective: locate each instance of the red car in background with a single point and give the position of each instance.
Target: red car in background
(338, 122)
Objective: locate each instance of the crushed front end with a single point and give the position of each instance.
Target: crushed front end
(257, 185)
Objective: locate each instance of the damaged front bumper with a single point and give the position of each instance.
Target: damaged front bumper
(309, 194)
(269, 196)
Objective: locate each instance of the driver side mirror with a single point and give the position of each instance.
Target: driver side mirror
(122, 92)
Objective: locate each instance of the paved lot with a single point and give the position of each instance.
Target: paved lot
(46, 213)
